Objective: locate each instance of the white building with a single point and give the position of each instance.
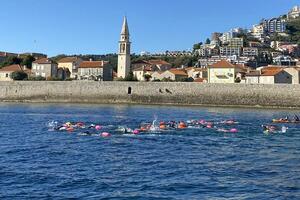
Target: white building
(225, 72)
(230, 51)
(294, 13)
(250, 51)
(258, 31)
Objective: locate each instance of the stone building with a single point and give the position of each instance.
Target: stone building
(71, 63)
(44, 67)
(124, 60)
(95, 70)
(5, 72)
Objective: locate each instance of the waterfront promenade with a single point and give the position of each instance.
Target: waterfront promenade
(152, 93)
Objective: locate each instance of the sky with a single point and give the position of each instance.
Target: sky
(93, 26)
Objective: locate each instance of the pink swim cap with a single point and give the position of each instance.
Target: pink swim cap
(98, 127)
(105, 134)
(136, 132)
(233, 130)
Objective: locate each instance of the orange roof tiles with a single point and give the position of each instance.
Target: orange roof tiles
(223, 64)
(43, 61)
(271, 72)
(179, 72)
(92, 64)
(226, 64)
(11, 68)
(158, 62)
(68, 59)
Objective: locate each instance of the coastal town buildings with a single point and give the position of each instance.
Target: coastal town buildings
(274, 75)
(141, 72)
(70, 63)
(250, 51)
(225, 72)
(274, 25)
(236, 42)
(294, 13)
(269, 75)
(174, 75)
(5, 72)
(95, 70)
(141, 68)
(230, 51)
(44, 67)
(124, 60)
(295, 73)
(196, 73)
(258, 31)
(284, 61)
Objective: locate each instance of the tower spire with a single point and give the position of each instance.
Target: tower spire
(125, 30)
(124, 61)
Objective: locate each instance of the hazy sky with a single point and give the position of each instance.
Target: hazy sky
(93, 26)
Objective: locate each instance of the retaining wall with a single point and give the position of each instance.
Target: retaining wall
(152, 93)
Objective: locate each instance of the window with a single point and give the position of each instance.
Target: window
(6, 75)
(42, 67)
(129, 90)
(43, 75)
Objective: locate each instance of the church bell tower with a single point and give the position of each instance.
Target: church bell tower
(124, 61)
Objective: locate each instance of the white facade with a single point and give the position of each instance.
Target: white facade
(258, 31)
(250, 51)
(124, 60)
(294, 13)
(252, 79)
(221, 75)
(230, 51)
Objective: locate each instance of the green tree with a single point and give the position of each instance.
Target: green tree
(207, 41)
(293, 29)
(18, 76)
(147, 77)
(28, 61)
(197, 46)
(11, 60)
(130, 77)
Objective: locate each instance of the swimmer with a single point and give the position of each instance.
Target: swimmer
(284, 129)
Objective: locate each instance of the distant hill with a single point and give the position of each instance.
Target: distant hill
(293, 29)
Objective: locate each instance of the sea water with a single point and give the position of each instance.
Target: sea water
(198, 163)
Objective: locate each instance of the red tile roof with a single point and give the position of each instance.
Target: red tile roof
(271, 72)
(226, 64)
(11, 68)
(43, 61)
(68, 60)
(92, 64)
(179, 72)
(223, 64)
(158, 62)
(143, 68)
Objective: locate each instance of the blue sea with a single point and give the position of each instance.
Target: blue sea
(200, 163)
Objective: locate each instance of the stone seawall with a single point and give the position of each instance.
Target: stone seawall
(152, 93)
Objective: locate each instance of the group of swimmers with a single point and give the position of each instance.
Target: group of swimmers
(83, 128)
(154, 127)
(287, 119)
(226, 126)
